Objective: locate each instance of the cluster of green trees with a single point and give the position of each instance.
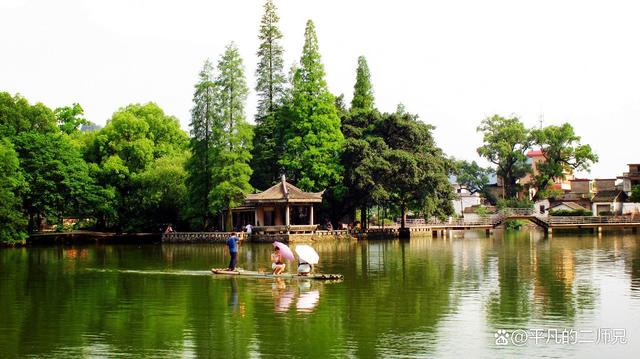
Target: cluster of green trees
(141, 171)
(505, 144)
(128, 175)
(358, 155)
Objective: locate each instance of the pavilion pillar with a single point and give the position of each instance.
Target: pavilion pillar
(255, 216)
(311, 215)
(286, 216)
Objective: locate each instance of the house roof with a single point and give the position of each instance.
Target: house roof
(574, 196)
(534, 153)
(572, 205)
(284, 192)
(608, 196)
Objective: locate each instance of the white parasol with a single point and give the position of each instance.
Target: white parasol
(307, 254)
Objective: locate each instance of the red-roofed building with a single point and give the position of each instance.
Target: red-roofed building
(534, 158)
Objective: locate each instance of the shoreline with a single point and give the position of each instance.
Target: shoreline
(74, 237)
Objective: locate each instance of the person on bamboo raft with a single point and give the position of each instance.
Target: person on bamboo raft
(277, 262)
(232, 243)
(304, 268)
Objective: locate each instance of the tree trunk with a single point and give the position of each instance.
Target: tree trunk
(229, 220)
(403, 216)
(30, 225)
(363, 217)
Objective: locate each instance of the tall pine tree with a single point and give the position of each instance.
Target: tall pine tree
(362, 158)
(270, 81)
(269, 73)
(313, 140)
(231, 170)
(362, 90)
(199, 181)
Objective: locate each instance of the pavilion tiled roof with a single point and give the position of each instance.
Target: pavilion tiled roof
(284, 192)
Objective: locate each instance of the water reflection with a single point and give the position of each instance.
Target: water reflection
(308, 298)
(398, 298)
(284, 294)
(541, 282)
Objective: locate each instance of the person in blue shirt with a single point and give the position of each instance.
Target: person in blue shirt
(232, 243)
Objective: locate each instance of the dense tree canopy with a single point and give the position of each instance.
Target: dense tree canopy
(270, 88)
(474, 178)
(202, 144)
(505, 142)
(70, 118)
(270, 79)
(13, 226)
(418, 176)
(133, 139)
(363, 99)
(17, 115)
(362, 158)
(231, 170)
(563, 153)
(364, 162)
(313, 140)
(52, 180)
(58, 180)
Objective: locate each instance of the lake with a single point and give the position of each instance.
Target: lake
(508, 295)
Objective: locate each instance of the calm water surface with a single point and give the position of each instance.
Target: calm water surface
(419, 298)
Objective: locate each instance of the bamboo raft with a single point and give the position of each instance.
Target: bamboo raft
(284, 275)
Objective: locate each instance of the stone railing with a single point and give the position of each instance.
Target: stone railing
(593, 220)
(506, 212)
(420, 222)
(291, 229)
(194, 237)
(335, 233)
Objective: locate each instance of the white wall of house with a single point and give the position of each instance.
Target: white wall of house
(626, 185)
(542, 207)
(630, 208)
(462, 202)
(464, 199)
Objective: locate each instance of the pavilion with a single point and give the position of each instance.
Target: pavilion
(281, 209)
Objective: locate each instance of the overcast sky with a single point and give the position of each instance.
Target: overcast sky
(452, 62)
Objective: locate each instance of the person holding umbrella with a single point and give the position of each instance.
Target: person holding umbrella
(277, 262)
(280, 252)
(307, 257)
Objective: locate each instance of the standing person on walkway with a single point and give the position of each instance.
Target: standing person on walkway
(248, 228)
(232, 243)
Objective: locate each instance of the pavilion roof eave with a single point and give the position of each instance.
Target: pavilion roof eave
(280, 201)
(284, 192)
